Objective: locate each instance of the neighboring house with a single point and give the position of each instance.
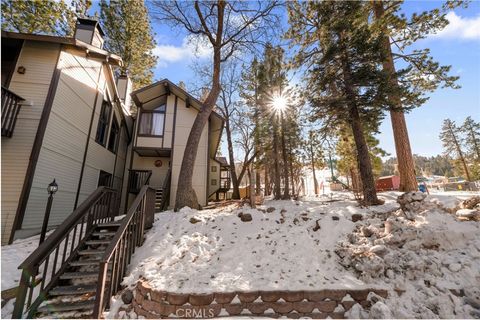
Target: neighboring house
(65, 117)
(166, 114)
(70, 126)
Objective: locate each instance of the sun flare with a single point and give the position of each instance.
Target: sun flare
(279, 102)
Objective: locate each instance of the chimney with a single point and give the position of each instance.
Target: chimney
(124, 87)
(89, 31)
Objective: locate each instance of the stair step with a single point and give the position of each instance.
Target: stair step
(80, 263)
(78, 275)
(95, 242)
(91, 252)
(72, 290)
(71, 306)
(105, 233)
(109, 224)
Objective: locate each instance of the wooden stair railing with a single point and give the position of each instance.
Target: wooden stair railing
(52, 257)
(10, 109)
(119, 252)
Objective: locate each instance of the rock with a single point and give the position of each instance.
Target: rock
(367, 231)
(317, 226)
(335, 218)
(127, 296)
(470, 203)
(240, 214)
(380, 311)
(374, 298)
(418, 196)
(355, 312)
(472, 297)
(357, 217)
(283, 211)
(194, 220)
(467, 213)
(270, 209)
(454, 267)
(379, 250)
(246, 217)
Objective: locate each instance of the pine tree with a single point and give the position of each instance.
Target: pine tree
(471, 130)
(314, 154)
(129, 34)
(40, 16)
(452, 143)
(420, 73)
(345, 84)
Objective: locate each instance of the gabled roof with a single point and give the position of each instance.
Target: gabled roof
(222, 160)
(150, 93)
(112, 58)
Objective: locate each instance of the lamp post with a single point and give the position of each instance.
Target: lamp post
(52, 188)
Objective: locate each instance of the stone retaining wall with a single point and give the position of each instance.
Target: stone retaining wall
(293, 304)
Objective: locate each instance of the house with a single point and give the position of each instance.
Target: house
(70, 125)
(166, 113)
(65, 116)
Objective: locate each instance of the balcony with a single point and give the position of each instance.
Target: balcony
(11, 104)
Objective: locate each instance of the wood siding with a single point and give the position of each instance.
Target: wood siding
(184, 121)
(62, 152)
(39, 60)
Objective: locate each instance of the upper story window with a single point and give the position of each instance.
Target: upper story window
(152, 121)
(114, 136)
(103, 123)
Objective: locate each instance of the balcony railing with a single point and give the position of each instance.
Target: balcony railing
(10, 108)
(137, 179)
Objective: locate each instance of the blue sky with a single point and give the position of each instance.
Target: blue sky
(458, 45)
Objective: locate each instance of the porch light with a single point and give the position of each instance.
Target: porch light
(52, 187)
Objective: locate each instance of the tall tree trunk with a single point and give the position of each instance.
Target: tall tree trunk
(251, 191)
(406, 164)
(233, 172)
(291, 172)
(363, 156)
(276, 191)
(286, 188)
(267, 182)
(315, 181)
(460, 153)
(258, 186)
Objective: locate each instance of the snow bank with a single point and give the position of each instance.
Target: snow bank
(424, 252)
(213, 250)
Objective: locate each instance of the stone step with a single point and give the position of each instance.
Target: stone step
(72, 306)
(72, 290)
(78, 275)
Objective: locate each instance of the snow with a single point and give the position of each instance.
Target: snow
(222, 253)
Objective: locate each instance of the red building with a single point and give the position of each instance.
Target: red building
(387, 183)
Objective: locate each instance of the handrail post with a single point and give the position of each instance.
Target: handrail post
(100, 294)
(21, 295)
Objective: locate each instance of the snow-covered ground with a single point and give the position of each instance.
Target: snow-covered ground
(312, 244)
(297, 246)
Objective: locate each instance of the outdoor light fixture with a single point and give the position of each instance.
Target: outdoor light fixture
(52, 188)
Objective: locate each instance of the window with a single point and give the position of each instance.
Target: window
(214, 168)
(104, 179)
(151, 122)
(114, 135)
(214, 182)
(103, 121)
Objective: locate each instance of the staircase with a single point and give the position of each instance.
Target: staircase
(158, 199)
(80, 266)
(74, 294)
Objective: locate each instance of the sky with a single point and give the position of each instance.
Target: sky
(457, 45)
